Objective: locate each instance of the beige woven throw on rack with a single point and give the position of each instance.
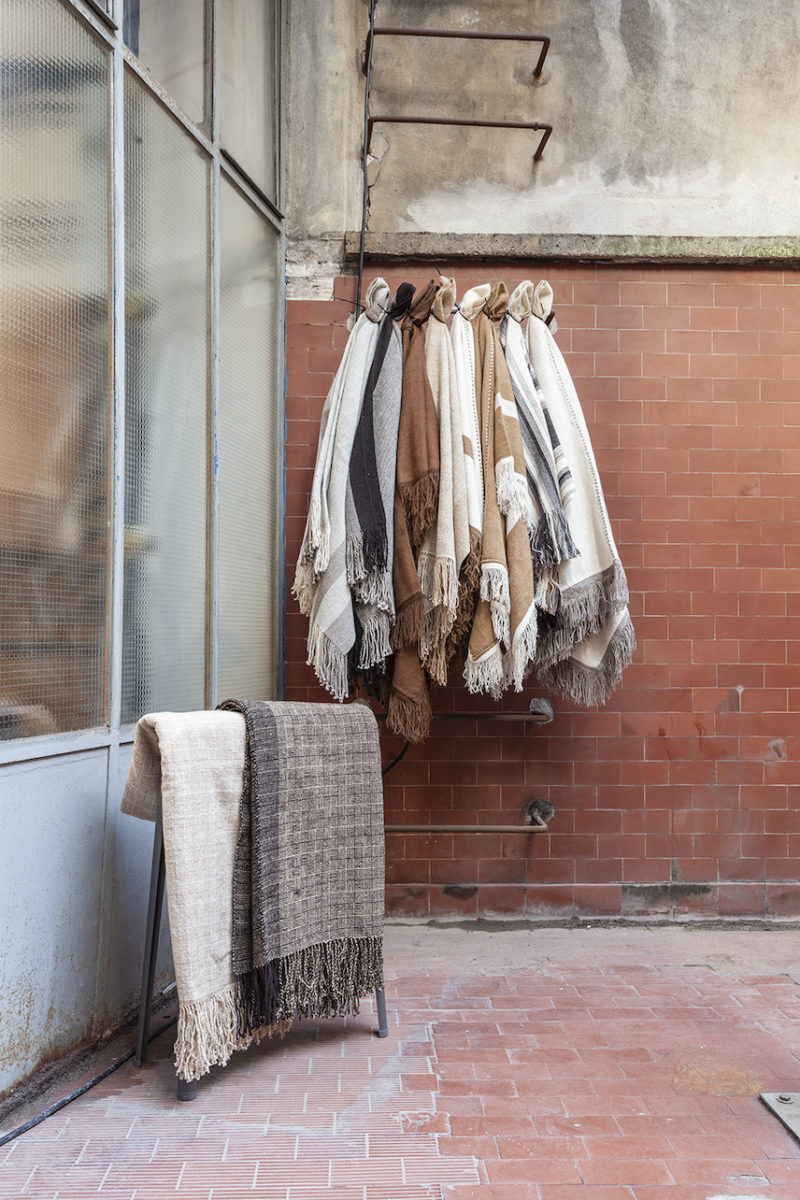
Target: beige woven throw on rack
(193, 762)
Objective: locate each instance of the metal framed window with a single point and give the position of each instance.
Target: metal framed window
(141, 337)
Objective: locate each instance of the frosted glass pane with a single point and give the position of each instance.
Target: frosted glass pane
(169, 36)
(166, 262)
(54, 377)
(249, 451)
(248, 105)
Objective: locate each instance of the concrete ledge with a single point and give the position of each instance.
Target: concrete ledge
(382, 247)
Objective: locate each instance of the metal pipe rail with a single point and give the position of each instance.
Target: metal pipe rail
(385, 31)
(537, 825)
(472, 123)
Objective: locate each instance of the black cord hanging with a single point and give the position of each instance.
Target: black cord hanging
(365, 156)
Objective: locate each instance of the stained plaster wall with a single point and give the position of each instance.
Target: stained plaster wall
(672, 120)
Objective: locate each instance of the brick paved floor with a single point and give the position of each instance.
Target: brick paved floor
(544, 1064)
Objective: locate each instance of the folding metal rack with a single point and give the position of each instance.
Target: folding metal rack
(187, 1090)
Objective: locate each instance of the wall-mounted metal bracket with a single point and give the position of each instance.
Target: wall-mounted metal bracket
(537, 826)
(545, 130)
(384, 31)
(370, 121)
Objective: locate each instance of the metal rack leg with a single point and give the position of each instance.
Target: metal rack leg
(380, 1001)
(154, 906)
(187, 1089)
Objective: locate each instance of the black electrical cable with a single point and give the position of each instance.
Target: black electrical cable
(395, 761)
(65, 1100)
(365, 185)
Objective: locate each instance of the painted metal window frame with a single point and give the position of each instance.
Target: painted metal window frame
(107, 28)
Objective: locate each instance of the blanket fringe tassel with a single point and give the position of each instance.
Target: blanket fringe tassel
(208, 1034)
(420, 501)
(438, 580)
(494, 584)
(513, 496)
(582, 612)
(551, 540)
(592, 686)
(328, 662)
(485, 674)
(546, 591)
(367, 554)
(409, 718)
(376, 590)
(468, 585)
(304, 587)
(501, 622)
(494, 589)
(325, 980)
(433, 647)
(316, 546)
(409, 625)
(375, 647)
(519, 659)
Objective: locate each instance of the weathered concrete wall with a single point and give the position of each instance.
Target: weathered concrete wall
(324, 118)
(75, 875)
(671, 119)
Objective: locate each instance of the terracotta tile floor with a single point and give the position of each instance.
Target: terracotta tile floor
(544, 1064)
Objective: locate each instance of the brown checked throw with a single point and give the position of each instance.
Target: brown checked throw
(309, 868)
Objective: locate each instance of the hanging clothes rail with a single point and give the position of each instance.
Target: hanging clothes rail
(537, 825)
(545, 130)
(386, 31)
(540, 712)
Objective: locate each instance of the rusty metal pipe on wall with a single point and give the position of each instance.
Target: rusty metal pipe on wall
(540, 712)
(472, 123)
(385, 31)
(537, 825)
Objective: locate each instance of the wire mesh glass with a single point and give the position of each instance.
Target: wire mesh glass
(249, 100)
(166, 263)
(249, 450)
(171, 37)
(54, 376)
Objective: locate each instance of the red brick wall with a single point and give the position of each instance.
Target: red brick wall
(681, 795)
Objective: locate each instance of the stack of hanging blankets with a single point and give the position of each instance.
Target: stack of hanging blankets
(456, 511)
(273, 845)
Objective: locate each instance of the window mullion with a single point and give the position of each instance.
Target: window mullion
(212, 641)
(117, 168)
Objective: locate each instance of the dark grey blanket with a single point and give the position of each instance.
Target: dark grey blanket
(308, 883)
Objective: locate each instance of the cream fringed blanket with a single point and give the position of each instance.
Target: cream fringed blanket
(584, 649)
(195, 762)
(321, 584)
